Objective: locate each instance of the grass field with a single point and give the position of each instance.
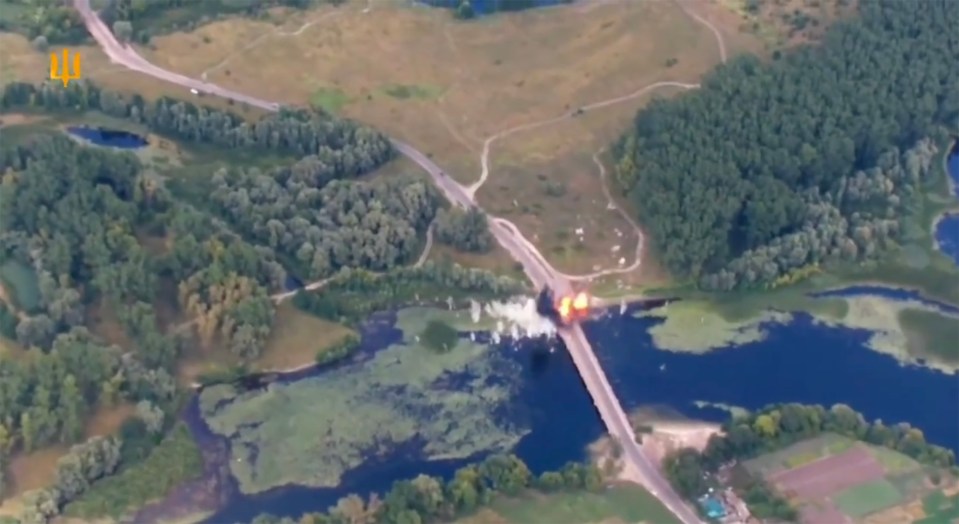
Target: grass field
(866, 498)
(295, 340)
(894, 462)
(780, 23)
(617, 504)
(940, 509)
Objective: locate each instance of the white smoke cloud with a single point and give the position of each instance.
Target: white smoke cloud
(516, 318)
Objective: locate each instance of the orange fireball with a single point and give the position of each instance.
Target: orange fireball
(581, 302)
(565, 307)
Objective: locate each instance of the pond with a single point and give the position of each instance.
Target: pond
(105, 137)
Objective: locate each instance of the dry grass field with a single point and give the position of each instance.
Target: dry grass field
(786, 23)
(295, 340)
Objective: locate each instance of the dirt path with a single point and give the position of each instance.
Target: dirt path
(488, 143)
(262, 38)
(426, 249)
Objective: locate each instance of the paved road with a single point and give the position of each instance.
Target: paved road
(638, 466)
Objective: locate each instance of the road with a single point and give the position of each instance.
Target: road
(638, 465)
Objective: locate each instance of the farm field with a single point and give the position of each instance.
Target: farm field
(835, 479)
(619, 504)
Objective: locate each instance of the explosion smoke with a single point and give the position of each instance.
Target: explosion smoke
(516, 318)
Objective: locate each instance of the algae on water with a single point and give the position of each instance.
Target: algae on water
(890, 335)
(693, 326)
(313, 430)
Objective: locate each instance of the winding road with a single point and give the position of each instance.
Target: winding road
(639, 467)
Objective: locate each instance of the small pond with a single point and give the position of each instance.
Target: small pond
(105, 137)
(488, 7)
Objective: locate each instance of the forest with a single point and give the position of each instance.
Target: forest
(45, 21)
(50, 22)
(140, 20)
(778, 426)
(321, 224)
(427, 499)
(354, 294)
(811, 157)
(81, 218)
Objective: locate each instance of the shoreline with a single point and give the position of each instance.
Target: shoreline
(951, 189)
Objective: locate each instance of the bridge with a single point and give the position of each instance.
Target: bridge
(639, 467)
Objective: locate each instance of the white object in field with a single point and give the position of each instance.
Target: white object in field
(194, 91)
(622, 261)
(615, 249)
(579, 231)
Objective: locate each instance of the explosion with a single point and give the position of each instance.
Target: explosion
(571, 308)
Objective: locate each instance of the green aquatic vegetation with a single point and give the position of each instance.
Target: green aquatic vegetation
(313, 430)
(906, 329)
(439, 336)
(696, 327)
(413, 320)
(932, 333)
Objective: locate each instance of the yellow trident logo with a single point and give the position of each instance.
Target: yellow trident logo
(65, 74)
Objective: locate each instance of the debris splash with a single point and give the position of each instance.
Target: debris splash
(515, 318)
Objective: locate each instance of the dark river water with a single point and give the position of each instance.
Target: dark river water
(798, 362)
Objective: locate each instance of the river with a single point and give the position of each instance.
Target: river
(799, 361)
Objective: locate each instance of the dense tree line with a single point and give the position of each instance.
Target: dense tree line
(464, 230)
(146, 18)
(777, 426)
(345, 148)
(767, 150)
(321, 224)
(862, 219)
(352, 295)
(82, 465)
(429, 499)
(46, 21)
